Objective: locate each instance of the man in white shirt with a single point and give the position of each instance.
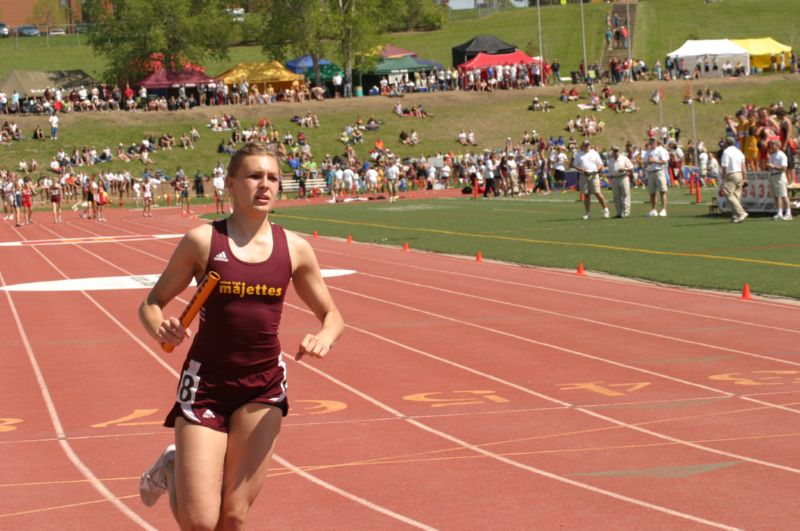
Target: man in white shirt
(218, 182)
(734, 178)
(777, 164)
(53, 126)
(655, 161)
(589, 165)
(620, 169)
(392, 176)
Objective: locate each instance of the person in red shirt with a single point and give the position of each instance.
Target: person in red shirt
(232, 392)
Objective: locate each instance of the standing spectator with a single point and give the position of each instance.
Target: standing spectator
(337, 85)
(734, 178)
(589, 165)
(392, 177)
(777, 164)
(555, 67)
(219, 189)
(655, 160)
(53, 119)
(620, 169)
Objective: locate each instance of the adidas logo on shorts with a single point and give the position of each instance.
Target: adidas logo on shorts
(209, 414)
(221, 257)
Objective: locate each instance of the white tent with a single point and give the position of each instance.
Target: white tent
(717, 51)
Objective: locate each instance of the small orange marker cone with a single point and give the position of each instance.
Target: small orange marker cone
(746, 292)
(698, 194)
(479, 257)
(580, 269)
(405, 246)
(349, 239)
(315, 235)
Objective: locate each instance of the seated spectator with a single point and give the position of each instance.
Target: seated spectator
(372, 124)
(186, 141)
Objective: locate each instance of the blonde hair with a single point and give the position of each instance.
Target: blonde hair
(251, 149)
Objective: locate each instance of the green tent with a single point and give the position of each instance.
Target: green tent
(399, 65)
(326, 72)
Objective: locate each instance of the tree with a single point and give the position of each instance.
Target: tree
(48, 12)
(298, 27)
(358, 25)
(130, 33)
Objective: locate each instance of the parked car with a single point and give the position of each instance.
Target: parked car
(57, 31)
(4, 31)
(27, 30)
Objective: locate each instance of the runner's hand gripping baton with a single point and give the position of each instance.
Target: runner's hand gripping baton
(204, 289)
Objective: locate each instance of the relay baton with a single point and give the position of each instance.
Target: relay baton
(204, 289)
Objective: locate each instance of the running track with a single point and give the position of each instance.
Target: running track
(462, 395)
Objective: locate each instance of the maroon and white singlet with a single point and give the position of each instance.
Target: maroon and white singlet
(235, 357)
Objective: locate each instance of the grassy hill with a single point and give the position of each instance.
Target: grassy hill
(663, 25)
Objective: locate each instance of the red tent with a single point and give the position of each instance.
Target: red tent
(393, 52)
(485, 60)
(161, 79)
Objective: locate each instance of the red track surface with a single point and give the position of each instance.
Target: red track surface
(462, 395)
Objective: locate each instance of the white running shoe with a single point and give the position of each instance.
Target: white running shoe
(663, 213)
(586, 216)
(652, 214)
(787, 217)
(606, 215)
(778, 217)
(741, 218)
(154, 481)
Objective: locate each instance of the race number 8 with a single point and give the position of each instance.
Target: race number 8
(187, 389)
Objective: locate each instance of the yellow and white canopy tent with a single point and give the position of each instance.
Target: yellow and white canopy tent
(762, 50)
(262, 75)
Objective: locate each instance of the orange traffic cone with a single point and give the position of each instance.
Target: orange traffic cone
(315, 235)
(349, 239)
(698, 194)
(479, 257)
(746, 292)
(691, 185)
(580, 269)
(405, 246)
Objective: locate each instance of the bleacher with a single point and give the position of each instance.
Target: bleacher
(290, 185)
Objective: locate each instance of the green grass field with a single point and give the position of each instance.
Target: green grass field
(687, 248)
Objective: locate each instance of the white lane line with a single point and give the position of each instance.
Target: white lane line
(118, 282)
(788, 304)
(362, 501)
(358, 499)
(555, 400)
(511, 462)
(97, 239)
(580, 294)
(59, 429)
(583, 319)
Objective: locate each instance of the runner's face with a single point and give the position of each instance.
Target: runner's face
(256, 182)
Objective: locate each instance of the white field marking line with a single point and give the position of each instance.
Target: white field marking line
(583, 319)
(561, 402)
(511, 462)
(601, 323)
(383, 510)
(59, 429)
(561, 273)
(378, 508)
(587, 295)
